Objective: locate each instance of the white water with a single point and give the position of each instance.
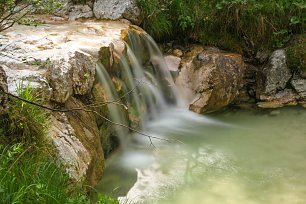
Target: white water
(235, 158)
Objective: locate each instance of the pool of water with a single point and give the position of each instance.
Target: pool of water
(234, 157)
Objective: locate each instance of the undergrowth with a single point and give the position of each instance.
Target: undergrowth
(27, 177)
(236, 25)
(29, 172)
(24, 122)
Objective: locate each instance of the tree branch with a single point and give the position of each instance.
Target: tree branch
(95, 112)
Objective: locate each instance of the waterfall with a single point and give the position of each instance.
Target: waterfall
(147, 84)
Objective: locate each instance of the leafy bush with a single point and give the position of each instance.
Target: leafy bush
(255, 24)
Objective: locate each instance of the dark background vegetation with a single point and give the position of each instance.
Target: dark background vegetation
(243, 26)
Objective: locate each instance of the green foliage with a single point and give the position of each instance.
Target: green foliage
(24, 123)
(254, 24)
(296, 54)
(26, 177)
(103, 199)
(156, 19)
(12, 11)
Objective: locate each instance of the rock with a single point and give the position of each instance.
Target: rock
(303, 74)
(117, 9)
(285, 97)
(275, 112)
(3, 87)
(63, 56)
(80, 11)
(117, 49)
(209, 78)
(262, 56)
(300, 86)
(173, 63)
(20, 78)
(273, 76)
(76, 139)
(177, 52)
(71, 151)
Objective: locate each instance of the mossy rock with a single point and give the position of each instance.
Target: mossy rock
(296, 54)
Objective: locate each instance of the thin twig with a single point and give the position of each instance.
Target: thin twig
(93, 111)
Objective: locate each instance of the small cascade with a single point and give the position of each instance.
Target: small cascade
(146, 82)
(114, 108)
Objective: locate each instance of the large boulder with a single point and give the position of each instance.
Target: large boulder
(273, 76)
(74, 76)
(61, 58)
(209, 78)
(117, 9)
(275, 85)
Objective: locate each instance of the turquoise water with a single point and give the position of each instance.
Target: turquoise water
(235, 157)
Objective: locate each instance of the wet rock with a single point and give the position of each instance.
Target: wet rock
(209, 78)
(117, 50)
(117, 9)
(273, 76)
(3, 87)
(173, 62)
(300, 86)
(285, 97)
(177, 52)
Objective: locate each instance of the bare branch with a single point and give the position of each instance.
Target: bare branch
(92, 111)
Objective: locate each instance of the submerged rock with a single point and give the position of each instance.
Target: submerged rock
(117, 9)
(210, 78)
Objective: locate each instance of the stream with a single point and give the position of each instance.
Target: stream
(233, 157)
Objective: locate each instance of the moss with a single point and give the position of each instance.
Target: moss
(296, 54)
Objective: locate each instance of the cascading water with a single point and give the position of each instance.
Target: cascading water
(149, 89)
(258, 159)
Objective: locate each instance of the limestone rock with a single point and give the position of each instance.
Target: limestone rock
(117, 9)
(80, 11)
(300, 86)
(75, 76)
(210, 79)
(71, 151)
(77, 142)
(284, 97)
(173, 62)
(274, 75)
(63, 56)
